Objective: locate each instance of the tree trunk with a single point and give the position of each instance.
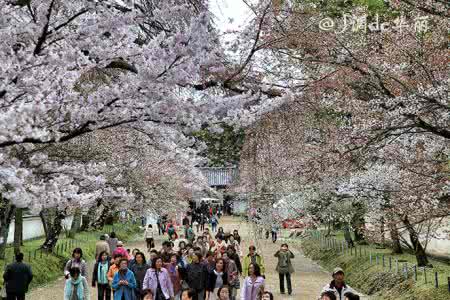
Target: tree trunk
(100, 221)
(419, 250)
(328, 229)
(52, 218)
(18, 229)
(6, 215)
(393, 231)
(76, 223)
(383, 239)
(358, 227)
(88, 218)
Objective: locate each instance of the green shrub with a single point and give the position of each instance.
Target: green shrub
(374, 280)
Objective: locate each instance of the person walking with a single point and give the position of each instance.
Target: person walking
(175, 276)
(76, 287)
(221, 246)
(159, 225)
(233, 243)
(224, 293)
(114, 267)
(139, 269)
(274, 229)
(216, 279)
(253, 258)
(202, 222)
(101, 246)
(121, 251)
(328, 295)
(190, 236)
(186, 221)
(157, 280)
(149, 238)
(171, 231)
(351, 296)
(100, 276)
(187, 294)
(253, 285)
(164, 224)
(220, 234)
(124, 282)
(196, 224)
(236, 236)
(197, 275)
(231, 251)
(338, 285)
(233, 275)
(214, 222)
(76, 261)
(112, 242)
(267, 296)
(17, 277)
(284, 267)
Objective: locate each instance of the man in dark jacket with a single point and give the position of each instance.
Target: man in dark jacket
(197, 276)
(17, 278)
(231, 251)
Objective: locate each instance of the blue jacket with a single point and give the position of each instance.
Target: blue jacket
(120, 290)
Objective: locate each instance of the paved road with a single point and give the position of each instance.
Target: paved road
(307, 281)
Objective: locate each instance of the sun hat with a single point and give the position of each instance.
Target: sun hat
(337, 270)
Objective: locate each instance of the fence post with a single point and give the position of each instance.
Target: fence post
(29, 256)
(415, 273)
(396, 266)
(40, 256)
(370, 257)
(448, 282)
(376, 258)
(35, 253)
(383, 262)
(425, 274)
(405, 267)
(360, 251)
(390, 263)
(436, 283)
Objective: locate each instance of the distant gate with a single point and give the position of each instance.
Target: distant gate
(220, 177)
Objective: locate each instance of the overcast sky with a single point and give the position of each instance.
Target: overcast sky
(230, 10)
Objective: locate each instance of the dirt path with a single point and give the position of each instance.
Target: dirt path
(307, 281)
(308, 278)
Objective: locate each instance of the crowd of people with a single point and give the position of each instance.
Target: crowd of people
(190, 265)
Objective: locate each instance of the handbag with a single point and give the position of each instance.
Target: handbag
(159, 293)
(3, 293)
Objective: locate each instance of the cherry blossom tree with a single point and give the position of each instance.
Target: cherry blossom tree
(371, 105)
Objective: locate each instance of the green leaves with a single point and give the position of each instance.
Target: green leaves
(222, 148)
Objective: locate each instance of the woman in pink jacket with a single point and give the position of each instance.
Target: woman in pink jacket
(121, 251)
